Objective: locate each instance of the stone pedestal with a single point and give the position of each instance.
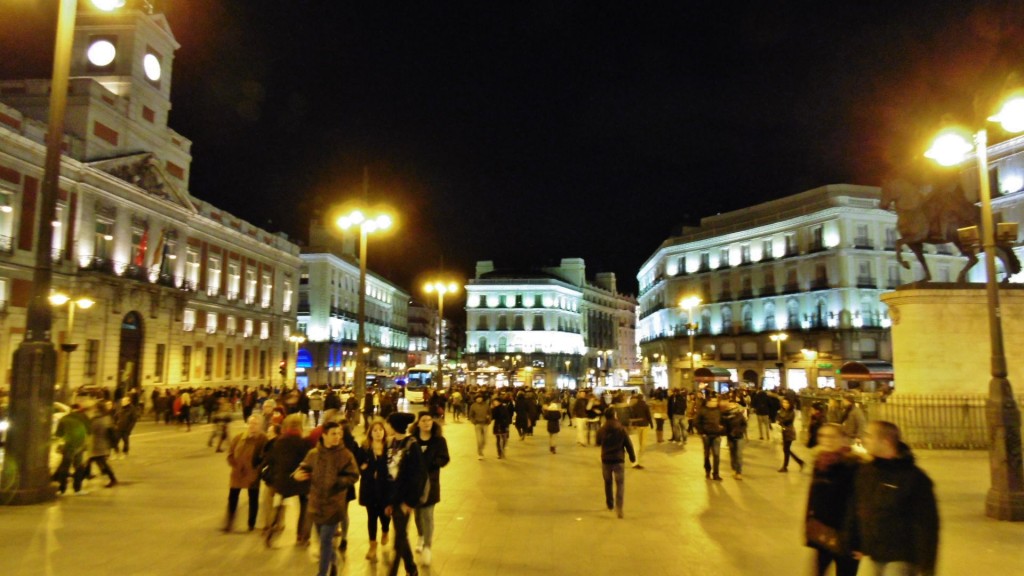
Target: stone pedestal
(26, 468)
(940, 337)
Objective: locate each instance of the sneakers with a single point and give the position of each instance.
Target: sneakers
(425, 556)
(738, 476)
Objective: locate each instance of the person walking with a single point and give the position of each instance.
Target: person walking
(331, 471)
(185, 410)
(659, 411)
(245, 456)
(501, 417)
(480, 417)
(734, 419)
(283, 458)
(374, 484)
(710, 427)
(896, 519)
(316, 405)
(221, 420)
(579, 417)
(640, 421)
(102, 436)
(434, 449)
(553, 415)
(408, 477)
(762, 408)
(785, 418)
(125, 418)
(829, 501)
(615, 444)
(677, 411)
(853, 420)
(74, 429)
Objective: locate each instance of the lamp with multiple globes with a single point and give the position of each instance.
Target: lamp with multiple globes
(1005, 499)
(59, 299)
(688, 304)
(366, 226)
(440, 288)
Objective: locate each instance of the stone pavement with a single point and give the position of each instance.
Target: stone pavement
(534, 513)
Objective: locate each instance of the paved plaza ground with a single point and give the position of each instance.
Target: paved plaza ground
(534, 513)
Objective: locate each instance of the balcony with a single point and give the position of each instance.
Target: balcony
(819, 284)
(745, 294)
(816, 247)
(6, 244)
(232, 296)
(863, 244)
(56, 255)
(890, 246)
(790, 288)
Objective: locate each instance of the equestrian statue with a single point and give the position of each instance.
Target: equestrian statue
(932, 215)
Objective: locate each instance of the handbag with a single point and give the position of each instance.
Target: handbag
(823, 536)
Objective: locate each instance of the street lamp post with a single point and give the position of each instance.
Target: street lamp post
(689, 303)
(366, 226)
(25, 478)
(779, 338)
(1005, 498)
(440, 288)
(68, 346)
(297, 341)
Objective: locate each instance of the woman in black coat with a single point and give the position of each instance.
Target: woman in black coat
(374, 485)
(434, 449)
(786, 417)
(828, 503)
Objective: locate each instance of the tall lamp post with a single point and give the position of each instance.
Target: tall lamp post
(366, 226)
(297, 341)
(25, 478)
(689, 303)
(1005, 498)
(68, 347)
(779, 338)
(440, 288)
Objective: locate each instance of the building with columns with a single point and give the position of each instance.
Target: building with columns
(548, 327)
(811, 265)
(328, 313)
(186, 294)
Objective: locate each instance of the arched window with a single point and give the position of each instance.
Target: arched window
(769, 316)
(502, 344)
(726, 319)
(748, 317)
(792, 314)
(483, 344)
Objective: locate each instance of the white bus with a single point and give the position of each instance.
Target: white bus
(417, 379)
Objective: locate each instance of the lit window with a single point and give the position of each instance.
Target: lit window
(267, 289)
(287, 304)
(211, 322)
(233, 280)
(264, 330)
(188, 321)
(192, 268)
(231, 325)
(213, 276)
(247, 328)
(250, 286)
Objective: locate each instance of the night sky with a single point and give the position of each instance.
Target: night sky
(525, 132)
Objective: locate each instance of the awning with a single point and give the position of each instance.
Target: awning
(712, 375)
(866, 370)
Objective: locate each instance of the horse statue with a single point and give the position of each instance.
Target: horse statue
(932, 215)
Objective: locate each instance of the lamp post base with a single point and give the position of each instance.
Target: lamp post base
(1005, 498)
(26, 468)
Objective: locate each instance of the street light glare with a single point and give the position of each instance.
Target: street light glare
(59, 299)
(383, 222)
(1011, 116)
(85, 303)
(949, 148)
(108, 5)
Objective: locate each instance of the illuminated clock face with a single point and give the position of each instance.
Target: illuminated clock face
(102, 53)
(151, 64)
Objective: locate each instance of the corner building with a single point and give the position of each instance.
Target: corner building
(811, 265)
(548, 327)
(328, 314)
(186, 294)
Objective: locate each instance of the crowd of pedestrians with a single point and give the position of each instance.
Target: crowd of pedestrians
(867, 498)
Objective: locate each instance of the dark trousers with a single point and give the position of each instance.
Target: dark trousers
(712, 454)
(501, 440)
(845, 565)
(373, 514)
(787, 453)
(121, 443)
(101, 462)
(69, 459)
(403, 551)
(254, 504)
(616, 472)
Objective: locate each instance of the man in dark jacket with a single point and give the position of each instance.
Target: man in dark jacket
(677, 414)
(639, 420)
(408, 480)
(895, 519)
(735, 422)
(614, 442)
(761, 407)
(283, 459)
(710, 428)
